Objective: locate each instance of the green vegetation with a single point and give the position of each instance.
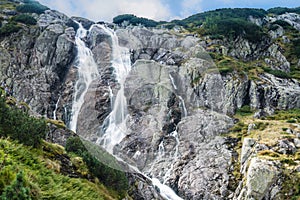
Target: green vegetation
(25, 19)
(239, 127)
(39, 173)
(134, 20)
(224, 13)
(281, 23)
(286, 115)
(109, 176)
(277, 73)
(228, 65)
(233, 28)
(6, 4)
(245, 111)
(43, 162)
(31, 7)
(9, 28)
(282, 10)
(18, 125)
(17, 190)
(57, 123)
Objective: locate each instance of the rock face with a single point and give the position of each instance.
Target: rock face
(202, 170)
(37, 60)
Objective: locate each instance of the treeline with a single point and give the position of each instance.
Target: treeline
(30, 6)
(134, 20)
(227, 22)
(232, 28)
(224, 13)
(282, 10)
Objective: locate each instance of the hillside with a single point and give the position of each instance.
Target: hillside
(205, 107)
(32, 168)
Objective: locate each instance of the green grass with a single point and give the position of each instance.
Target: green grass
(245, 111)
(7, 5)
(293, 114)
(45, 181)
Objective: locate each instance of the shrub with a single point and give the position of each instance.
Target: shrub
(296, 48)
(17, 190)
(111, 177)
(26, 19)
(261, 126)
(121, 18)
(19, 125)
(281, 23)
(31, 7)
(291, 121)
(234, 27)
(9, 28)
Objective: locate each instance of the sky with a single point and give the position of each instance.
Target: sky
(105, 10)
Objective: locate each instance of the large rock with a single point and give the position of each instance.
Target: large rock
(261, 181)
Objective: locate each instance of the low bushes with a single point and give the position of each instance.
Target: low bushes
(19, 125)
(9, 28)
(31, 7)
(110, 177)
(25, 19)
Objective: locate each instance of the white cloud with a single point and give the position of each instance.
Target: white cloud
(99, 10)
(190, 7)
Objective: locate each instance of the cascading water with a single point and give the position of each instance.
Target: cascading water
(87, 72)
(55, 110)
(116, 126)
(115, 129)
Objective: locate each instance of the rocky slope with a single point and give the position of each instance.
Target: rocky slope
(183, 93)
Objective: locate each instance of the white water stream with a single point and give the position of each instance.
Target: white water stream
(116, 121)
(87, 72)
(115, 129)
(55, 110)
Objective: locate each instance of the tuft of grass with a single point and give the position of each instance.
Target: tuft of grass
(269, 153)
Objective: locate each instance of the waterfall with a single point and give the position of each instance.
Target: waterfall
(87, 72)
(115, 129)
(55, 110)
(115, 124)
(182, 104)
